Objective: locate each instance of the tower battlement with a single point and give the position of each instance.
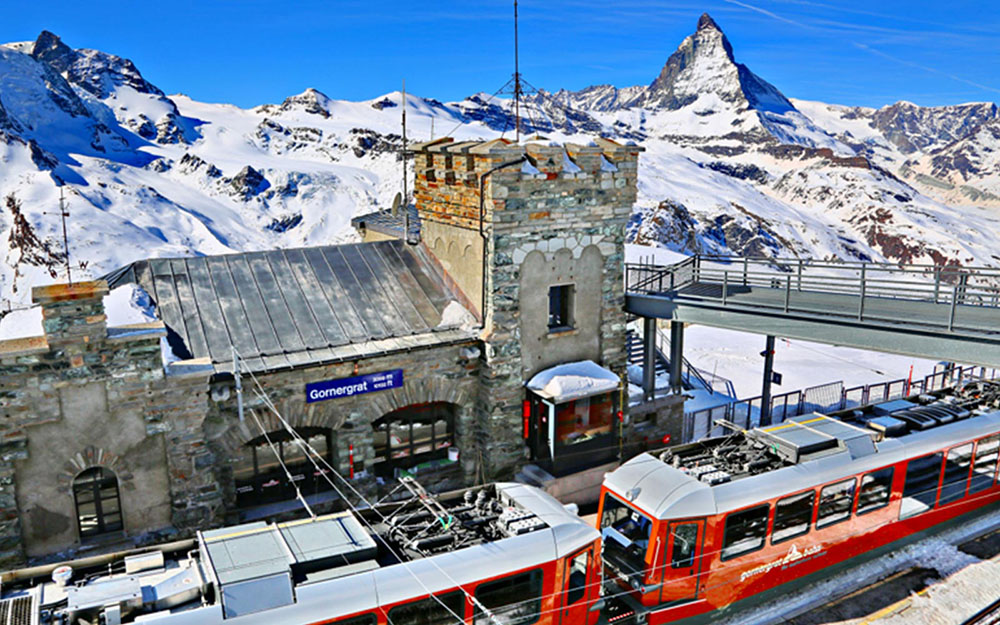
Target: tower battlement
(448, 174)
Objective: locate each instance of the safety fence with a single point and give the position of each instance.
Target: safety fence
(824, 398)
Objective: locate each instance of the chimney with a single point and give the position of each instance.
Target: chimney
(72, 313)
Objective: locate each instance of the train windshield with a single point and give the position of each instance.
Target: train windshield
(626, 534)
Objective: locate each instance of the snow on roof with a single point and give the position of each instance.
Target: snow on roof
(573, 380)
(22, 323)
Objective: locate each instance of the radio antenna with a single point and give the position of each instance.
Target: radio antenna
(63, 214)
(405, 193)
(517, 84)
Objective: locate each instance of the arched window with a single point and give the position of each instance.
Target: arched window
(98, 508)
(413, 435)
(258, 475)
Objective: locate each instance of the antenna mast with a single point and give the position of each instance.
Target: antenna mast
(517, 84)
(63, 214)
(405, 193)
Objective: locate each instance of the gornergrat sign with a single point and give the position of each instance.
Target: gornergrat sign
(356, 385)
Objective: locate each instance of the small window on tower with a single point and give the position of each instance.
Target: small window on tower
(561, 308)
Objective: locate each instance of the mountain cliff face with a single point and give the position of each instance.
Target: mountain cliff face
(731, 164)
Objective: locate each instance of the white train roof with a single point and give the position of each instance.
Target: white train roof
(666, 492)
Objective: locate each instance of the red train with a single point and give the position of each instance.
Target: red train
(698, 529)
(503, 553)
(733, 520)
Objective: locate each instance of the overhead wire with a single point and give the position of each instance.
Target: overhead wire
(653, 569)
(310, 452)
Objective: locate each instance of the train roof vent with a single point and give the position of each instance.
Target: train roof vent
(812, 436)
(21, 610)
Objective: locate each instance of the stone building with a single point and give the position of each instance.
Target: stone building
(491, 337)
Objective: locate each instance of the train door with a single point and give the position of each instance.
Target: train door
(579, 584)
(682, 560)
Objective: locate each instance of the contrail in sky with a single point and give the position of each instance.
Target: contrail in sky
(862, 46)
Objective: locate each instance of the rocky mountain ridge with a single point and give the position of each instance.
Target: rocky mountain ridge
(731, 163)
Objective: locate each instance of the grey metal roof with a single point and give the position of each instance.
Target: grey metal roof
(385, 222)
(284, 308)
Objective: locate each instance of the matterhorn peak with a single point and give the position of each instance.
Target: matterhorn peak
(704, 66)
(705, 22)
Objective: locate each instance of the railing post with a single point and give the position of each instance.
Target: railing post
(788, 292)
(725, 286)
(937, 282)
(861, 304)
(954, 302)
(746, 261)
(800, 275)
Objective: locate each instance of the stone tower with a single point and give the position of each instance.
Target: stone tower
(539, 228)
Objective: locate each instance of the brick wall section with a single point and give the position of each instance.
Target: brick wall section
(38, 381)
(579, 191)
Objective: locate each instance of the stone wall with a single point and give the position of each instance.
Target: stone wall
(82, 396)
(565, 201)
(442, 374)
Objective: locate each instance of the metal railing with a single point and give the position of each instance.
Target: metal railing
(824, 398)
(692, 376)
(729, 277)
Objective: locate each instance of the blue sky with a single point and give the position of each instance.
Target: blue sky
(252, 51)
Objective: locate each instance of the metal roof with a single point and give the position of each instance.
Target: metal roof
(385, 222)
(285, 308)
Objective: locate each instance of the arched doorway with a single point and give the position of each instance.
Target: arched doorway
(259, 478)
(98, 506)
(413, 435)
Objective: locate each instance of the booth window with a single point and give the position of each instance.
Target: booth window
(259, 477)
(413, 435)
(583, 419)
(98, 508)
(561, 307)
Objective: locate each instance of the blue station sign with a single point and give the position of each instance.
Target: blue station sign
(356, 385)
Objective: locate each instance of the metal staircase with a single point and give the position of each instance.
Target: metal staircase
(692, 377)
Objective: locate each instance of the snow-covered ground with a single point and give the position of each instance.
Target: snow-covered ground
(736, 357)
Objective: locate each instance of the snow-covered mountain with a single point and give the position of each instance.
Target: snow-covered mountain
(731, 164)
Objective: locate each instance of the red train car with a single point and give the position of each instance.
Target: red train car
(506, 553)
(733, 520)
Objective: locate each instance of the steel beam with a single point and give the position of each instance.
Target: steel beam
(648, 358)
(676, 356)
(908, 339)
(765, 393)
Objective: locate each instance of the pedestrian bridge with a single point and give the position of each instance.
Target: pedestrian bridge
(939, 312)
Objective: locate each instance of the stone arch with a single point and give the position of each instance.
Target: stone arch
(91, 457)
(592, 250)
(295, 412)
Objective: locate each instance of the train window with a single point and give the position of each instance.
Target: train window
(792, 516)
(745, 532)
(685, 542)
(923, 476)
(515, 600)
(430, 611)
(835, 502)
(876, 487)
(576, 587)
(626, 534)
(985, 468)
(956, 473)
